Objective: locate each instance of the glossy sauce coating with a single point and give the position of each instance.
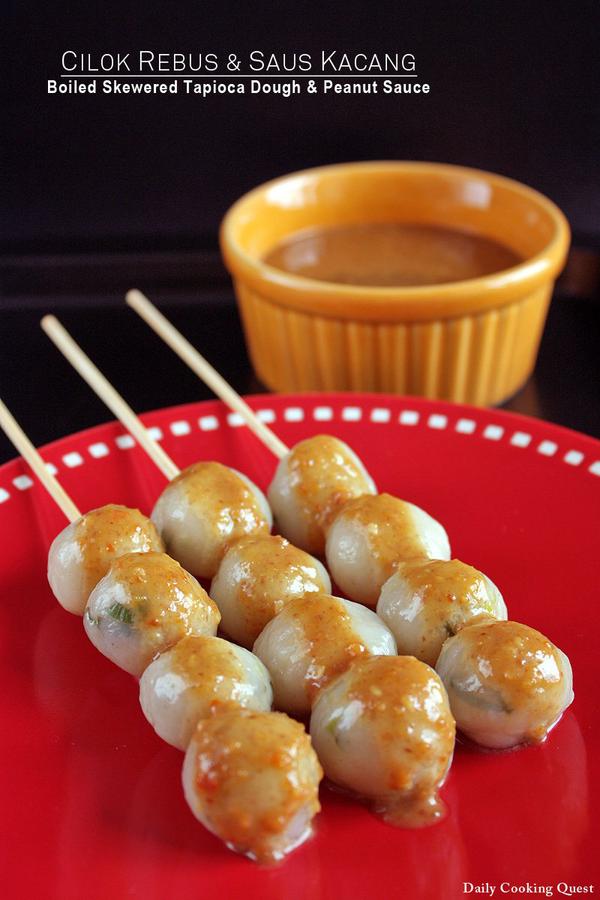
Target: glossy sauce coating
(258, 576)
(108, 532)
(332, 641)
(203, 510)
(197, 678)
(371, 535)
(317, 476)
(505, 678)
(216, 488)
(324, 477)
(427, 601)
(206, 659)
(313, 639)
(161, 592)
(390, 255)
(384, 729)
(390, 526)
(145, 604)
(252, 778)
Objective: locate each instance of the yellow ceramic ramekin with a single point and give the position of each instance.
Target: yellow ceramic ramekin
(474, 341)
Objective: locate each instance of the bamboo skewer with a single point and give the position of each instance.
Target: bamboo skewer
(106, 392)
(21, 442)
(203, 369)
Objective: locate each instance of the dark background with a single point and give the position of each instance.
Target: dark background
(103, 192)
(513, 90)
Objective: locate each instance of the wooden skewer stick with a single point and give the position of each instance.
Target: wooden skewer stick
(21, 442)
(106, 392)
(203, 370)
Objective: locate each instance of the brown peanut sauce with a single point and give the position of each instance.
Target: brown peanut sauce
(210, 666)
(390, 527)
(404, 700)
(390, 255)
(230, 749)
(161, 591)
(274, 572)
(324, 476)
(522, 664)
(332, 641)
(449, 588)
(108, 532)
(223, 498)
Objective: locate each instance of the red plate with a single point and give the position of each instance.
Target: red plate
(93, 801)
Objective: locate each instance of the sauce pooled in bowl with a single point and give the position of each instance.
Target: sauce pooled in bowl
(390, 255)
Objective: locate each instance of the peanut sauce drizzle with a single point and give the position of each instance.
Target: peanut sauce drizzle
(108, 532)
(210, 666)
(522, 664)
(230, 750)
(324, 476)
(390, 528)
(453, 594)
(222, 498)
(274, 572)
(162, 594)
(332, 642)
(404, 699)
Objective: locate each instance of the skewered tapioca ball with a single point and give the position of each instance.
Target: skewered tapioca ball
(312, 481)
(258, 575)
(369, 537)
(144, 605)
(507, 683)
(426, 601)
(82, 553)
(252, 778)
(196, 678)
(312, 640)
(384, 730)
(203, 510)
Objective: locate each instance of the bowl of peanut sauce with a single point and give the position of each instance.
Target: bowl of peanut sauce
(402, 277)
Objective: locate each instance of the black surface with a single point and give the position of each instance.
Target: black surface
(50, 400)
(514, 89)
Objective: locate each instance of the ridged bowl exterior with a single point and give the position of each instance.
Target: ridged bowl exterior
(481, 359)
(473, 341)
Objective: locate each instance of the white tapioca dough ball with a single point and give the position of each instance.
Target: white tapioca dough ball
(144, 605)
(507, 683)
(259, 574)
(311, 641)
(426, 601)
(199, 677)
(203, 510)
(316, 477)
(384, 730)
(252, 778)
(371, 535)
(82, 553)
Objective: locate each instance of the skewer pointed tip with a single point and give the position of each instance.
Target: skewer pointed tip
(132, 295)
(47, 320)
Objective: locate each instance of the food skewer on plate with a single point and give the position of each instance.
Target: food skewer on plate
(118, 552)
(312, 479)
(256, 814)
(322, 497)
(197, 681)
(209, 512)
(346, 628)
(83, 552)
(209, 720)
(205, 507)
